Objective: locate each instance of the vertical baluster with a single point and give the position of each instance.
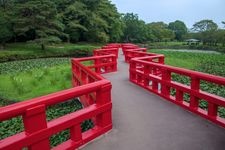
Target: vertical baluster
(35, 120)
(195, 86)
(97, 68)
(166, 77)
(132, 71)
(212, 110)
(146, 75)
(103, 96)
(76, 134)
(179, 95)
(115, 64)
(161, 60)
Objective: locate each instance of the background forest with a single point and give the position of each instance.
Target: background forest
(45, 21)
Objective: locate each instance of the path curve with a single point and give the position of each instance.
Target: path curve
(144, 121)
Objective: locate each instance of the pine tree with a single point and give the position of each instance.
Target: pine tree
(40, 18)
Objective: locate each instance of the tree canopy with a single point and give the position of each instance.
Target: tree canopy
(45, 22)
(179, 28)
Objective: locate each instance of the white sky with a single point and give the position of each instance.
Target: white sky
(189, 11)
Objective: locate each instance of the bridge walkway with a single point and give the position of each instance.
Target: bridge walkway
(144, 121)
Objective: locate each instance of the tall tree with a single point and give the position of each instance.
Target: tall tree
(205, 25)
(161, 32)
(206, 29)
(73, 16)
(38, 17)
(6, 32)
(179, 28)
(135, 29)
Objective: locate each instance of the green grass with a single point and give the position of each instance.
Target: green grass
(194, 61)
(34, 83)
(27, 79)
(21, 51)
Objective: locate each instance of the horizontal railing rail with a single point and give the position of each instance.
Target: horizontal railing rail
(99, 52)
(156, 77)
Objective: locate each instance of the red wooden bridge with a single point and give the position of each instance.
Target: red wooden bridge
(140, 115)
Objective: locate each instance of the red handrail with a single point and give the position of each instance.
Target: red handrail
(95, 94)
(154, 76)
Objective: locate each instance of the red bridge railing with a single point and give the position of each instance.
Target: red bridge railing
(148, 71)
(93, 91)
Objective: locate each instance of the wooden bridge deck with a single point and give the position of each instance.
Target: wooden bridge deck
(144, 121)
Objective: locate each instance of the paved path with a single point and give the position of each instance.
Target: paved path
(144, 121)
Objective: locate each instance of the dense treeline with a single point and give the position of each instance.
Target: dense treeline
(45, 21)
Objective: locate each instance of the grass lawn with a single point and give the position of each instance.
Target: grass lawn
(204, 62)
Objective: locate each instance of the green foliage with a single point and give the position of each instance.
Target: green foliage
(39, 80)
(45, 21)
(20, 51)
(207, 31)
(5, 25)
(179, 28)
(38, 17)
(205, 25)
(135, 29)
(160, 32)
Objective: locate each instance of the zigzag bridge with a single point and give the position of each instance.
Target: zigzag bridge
(132, 99)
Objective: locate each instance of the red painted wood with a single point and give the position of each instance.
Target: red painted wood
(93, 90)
(159, 73)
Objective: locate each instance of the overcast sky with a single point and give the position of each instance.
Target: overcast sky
(189, 11)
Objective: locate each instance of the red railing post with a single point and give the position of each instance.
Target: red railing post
(179, 95)
(161, 60)
(83, 77)
(166, 77)
(195, 86)
(114, 60)
(35, 120)
(103, 96)
(212, 110)
(76, 134)
(131, 70)
(97, 68)
(146, 75)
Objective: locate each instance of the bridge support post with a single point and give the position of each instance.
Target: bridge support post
(195, 86)
(103, 96)
(166, 77)
(35, 120)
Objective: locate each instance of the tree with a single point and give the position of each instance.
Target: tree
(161, 32)
(206, 29)
(6, 32)
(179, 28)
(38, 17)
(73, 15)
(205, 25)
(219, 36)
(135, 30)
